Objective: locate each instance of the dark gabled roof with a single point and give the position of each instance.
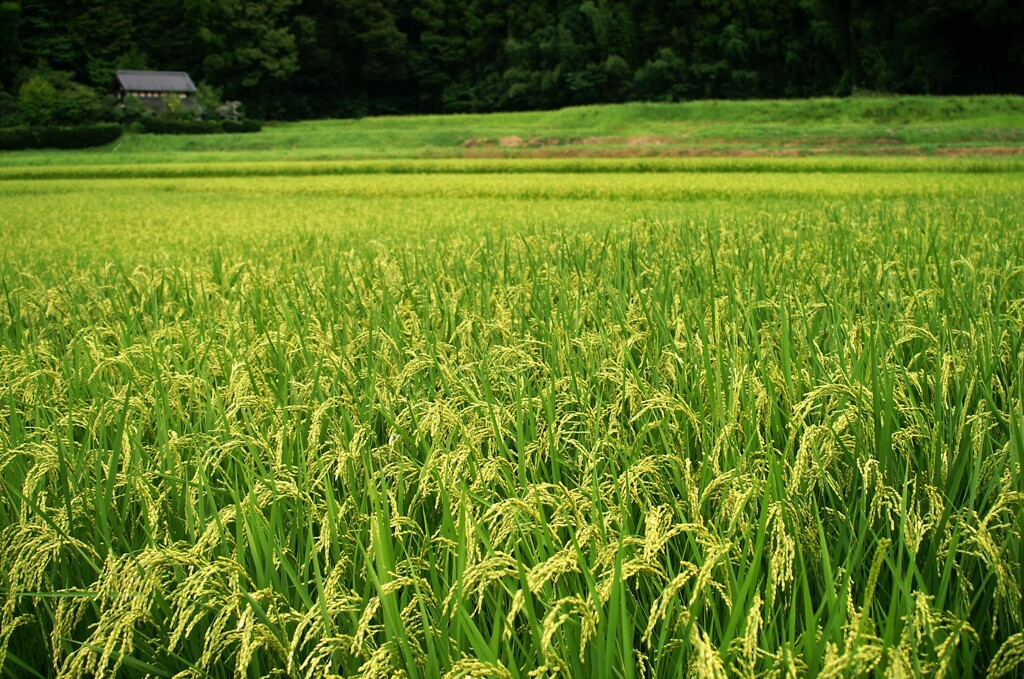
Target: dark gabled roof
(156, 81)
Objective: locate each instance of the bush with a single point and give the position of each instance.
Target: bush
(8, 109)
(40, 137)
(132, 110)
(173, 126)
(16, 138)
(79, 137)
(54, 99)
(208, 97)
(241, 126)
(155, 125)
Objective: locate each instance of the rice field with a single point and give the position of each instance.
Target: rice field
(588, 419)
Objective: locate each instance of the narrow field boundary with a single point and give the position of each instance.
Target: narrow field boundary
(515, 166)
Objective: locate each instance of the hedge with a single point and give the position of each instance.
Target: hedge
(241, 126)
(53, 137)
(170, 126)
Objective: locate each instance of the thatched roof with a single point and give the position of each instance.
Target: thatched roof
(156, 81)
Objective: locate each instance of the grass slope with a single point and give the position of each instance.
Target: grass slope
(861, 125)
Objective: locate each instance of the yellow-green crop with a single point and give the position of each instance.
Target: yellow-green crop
(440, 424)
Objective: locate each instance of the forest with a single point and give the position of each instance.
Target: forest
(295, 59)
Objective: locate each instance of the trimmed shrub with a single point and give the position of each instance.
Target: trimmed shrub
(241, 126)
(152, 125)
(173, 126)
(80, 137)
(17, 138)
(40, 137)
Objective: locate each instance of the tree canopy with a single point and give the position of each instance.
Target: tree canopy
(328, 58)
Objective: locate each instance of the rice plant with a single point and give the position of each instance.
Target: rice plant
(616, 425)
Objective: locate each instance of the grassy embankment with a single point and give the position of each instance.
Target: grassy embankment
(854, 126)
(460, 424)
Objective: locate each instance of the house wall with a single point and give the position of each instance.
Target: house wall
(161, 95)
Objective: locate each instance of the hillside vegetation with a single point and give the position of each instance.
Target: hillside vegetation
(851, 126)
(295, 59)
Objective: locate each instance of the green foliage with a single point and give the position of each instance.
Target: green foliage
(850, 126)
(102, 33)
(38, 101)
(54, 99)
(157, 125)
(331, 58)
(177, 108)
(8, 109)
(16, 138)
(10, 38)
(251, 50)
(209, 98)
(241, 126)
(663, 77)
(79, 136)
(58, 137)
(165, 125)
(508, 425)
(133, 110)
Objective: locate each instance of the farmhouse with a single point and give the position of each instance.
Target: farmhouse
(156, 88)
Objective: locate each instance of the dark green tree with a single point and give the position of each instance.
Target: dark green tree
(251, 51)
(52, 98)
(311, 58)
